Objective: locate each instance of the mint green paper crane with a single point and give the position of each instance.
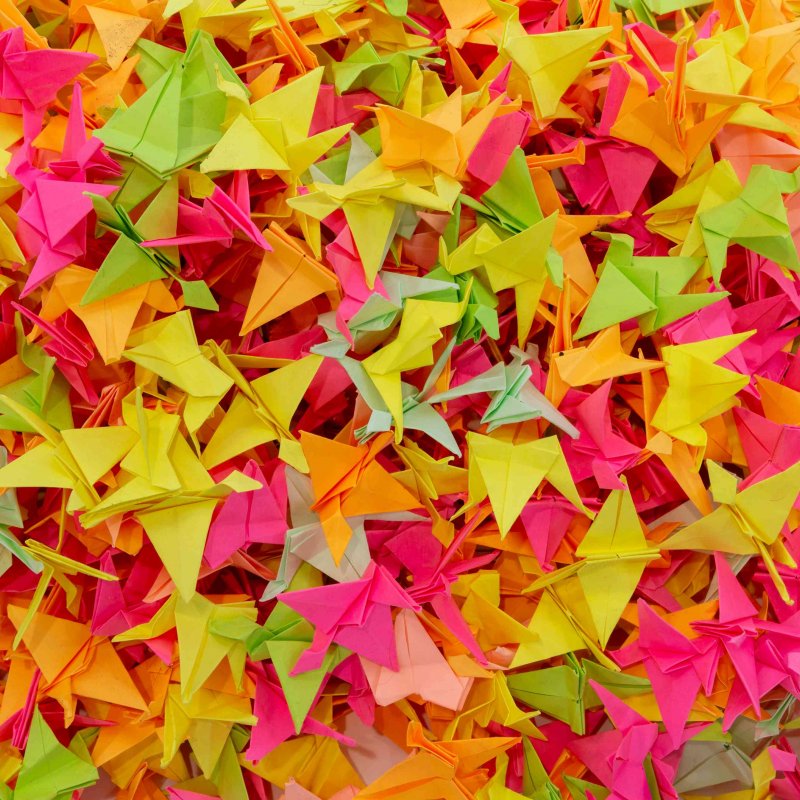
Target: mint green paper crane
(514, 398)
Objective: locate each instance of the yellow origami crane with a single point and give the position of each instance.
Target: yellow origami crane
(519, 263)
(201, 644)
(272, 133)
(563, 623)
(169, 491)
(698, 388)
(73, 459)
(510, 473)
(168, 348)
(373, 199)
(677, 217)
(262, 411)
(747, 522)
(420, 329)
(614, 553)
(545, 64)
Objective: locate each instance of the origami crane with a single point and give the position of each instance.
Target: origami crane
(305, 542)
(73, 459)
(288, 277)
(677, 668)
(386, 75)
(603, 358)
(49, 770)
(356, 615)
(73, 671)
(509, 473)
(206, 723)
(43, 391)
(245, 519)
(601, 450)
(563, 623)
(204, 640)
(315, 762)
(482, 610)
(349, 482)
(275, 725)
(631, 759)
(273, 133)
(647, 289)
(675, 130)
(747, 522)
(168, 348)
(755, 219)
(615, 554)
(546, 64)
(421, 327)
(56, 214)
(34, 76)
(610, 177)
(448, 770)
(285, 636)
(698, 389)
(421, 669)
(522, 262)
(147, 250)
(564, 692)
(167, 488)
(511, 203)
(442, 138)
(158, 131)
(736, 629)
(261, 411)
(677, 217)
(374, 200)
(514, 398)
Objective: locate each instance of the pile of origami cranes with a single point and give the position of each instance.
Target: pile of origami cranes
(399, 399)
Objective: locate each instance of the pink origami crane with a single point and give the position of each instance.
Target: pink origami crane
(34, 76)
(676, 666)
(622, 758)
(356, 615)
(246, 518)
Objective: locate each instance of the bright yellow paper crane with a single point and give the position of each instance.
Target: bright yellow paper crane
(549, 62)
(747, 522)
(510, 473)
(615, 554)
(272, 133)
(373, 198)
(261, 411)
(698, 388)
